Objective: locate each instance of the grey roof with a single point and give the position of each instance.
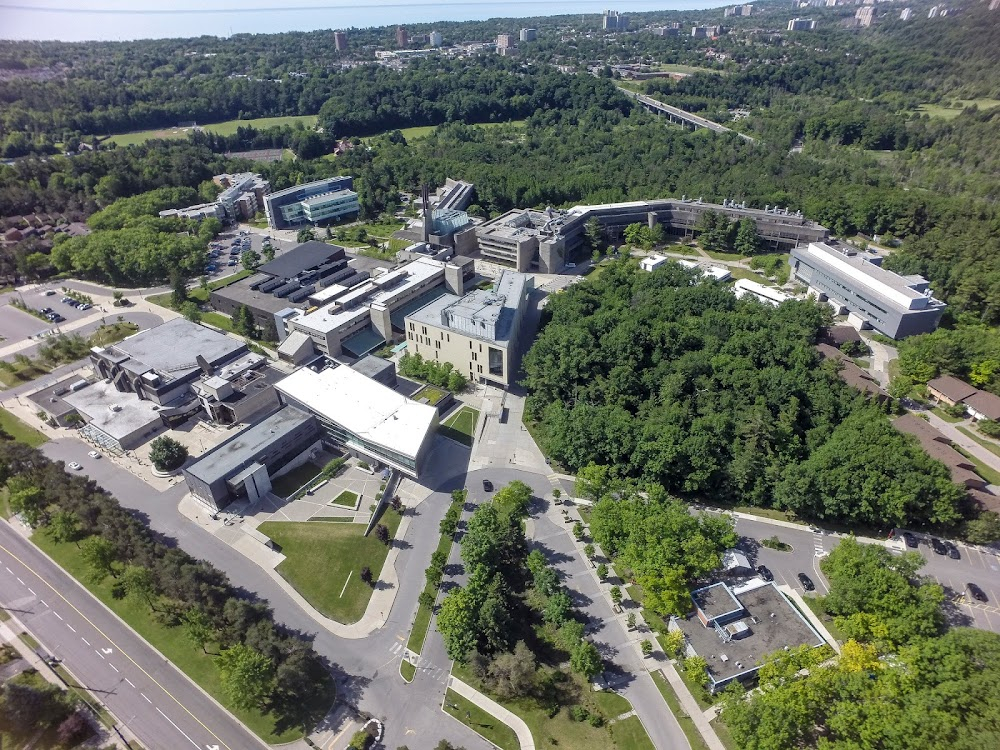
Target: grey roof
(496, 307)
(117, 414)
(243, 449)
(372, 366)
(171, 347)
(715, 601)
(308, 255)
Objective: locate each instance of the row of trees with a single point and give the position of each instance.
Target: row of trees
(441, 374)
(263, 666)
(686, 387)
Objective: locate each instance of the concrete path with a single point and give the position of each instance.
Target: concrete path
(691, 708)
(951, 431)
(490, 706)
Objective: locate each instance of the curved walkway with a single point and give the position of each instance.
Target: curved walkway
(489, 705)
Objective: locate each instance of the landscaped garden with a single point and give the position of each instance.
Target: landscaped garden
(461, 426)
(286, 484)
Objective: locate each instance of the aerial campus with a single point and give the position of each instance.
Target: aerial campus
(622, 381)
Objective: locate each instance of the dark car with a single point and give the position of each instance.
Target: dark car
(911, 541)
(764, 572)
(487, 485)
(806, 582)
(953, 552)
(45, 310)
(977, 593)
(938, 546)
(57, 318)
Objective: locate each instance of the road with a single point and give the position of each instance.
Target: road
(147, 693)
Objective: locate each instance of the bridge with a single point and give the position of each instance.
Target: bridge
(680, 116)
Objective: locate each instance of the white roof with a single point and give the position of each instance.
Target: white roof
(362, 406)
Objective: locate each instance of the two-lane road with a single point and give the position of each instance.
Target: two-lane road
(160, 705)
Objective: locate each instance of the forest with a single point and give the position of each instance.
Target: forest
(682, 385)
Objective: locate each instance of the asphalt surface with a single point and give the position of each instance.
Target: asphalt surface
(147, 693)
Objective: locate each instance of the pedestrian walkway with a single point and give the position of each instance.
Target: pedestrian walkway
(493, 708)
(691, 708)
(962, 440)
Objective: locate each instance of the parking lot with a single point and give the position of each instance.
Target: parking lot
(16, 325)
(224, 243)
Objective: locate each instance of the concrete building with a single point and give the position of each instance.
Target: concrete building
(340, 41)
(718, 273)
(241, 198)
(529, 240)
(739, 10)
(855, 283)
(865, 16)
(801, 24)
(380, 370)
(477, 333)
(286, 283)
(706, 32)
(769, 295)
(612, 20)
(671, 29)
(505, 41)
(529, 35)
(321, 201)
(356, 320)
(243, 466)
(734, 627)
(402, 37)
(436, 39)
(443, 221)
(651, 262)
(364, 417)
(241, 391)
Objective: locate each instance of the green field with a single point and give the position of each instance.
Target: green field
(950, 113)
(173, 643)
(689, 69)
(346, 498)
(461, 426)
(742, 273)
(228, 127)
(422, 131)
(630, 734)
(19, 430)
(479, 721)
(323, 561)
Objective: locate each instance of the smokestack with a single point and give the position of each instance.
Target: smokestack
(425, 196)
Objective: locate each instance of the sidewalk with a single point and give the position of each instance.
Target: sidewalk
(489, 705)
(951, 431)
(691, 708)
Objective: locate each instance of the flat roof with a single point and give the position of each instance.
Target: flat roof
(496, 306)
(321, 198)
(771, 621)
(715, 601)
(363, 406)
(243, 448)
(170, 348)
(301, 258)
(115, 413)
(370, 365)
(306, 187)
(51, 398)
(241, 293)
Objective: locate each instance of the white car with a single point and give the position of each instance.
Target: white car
(94, 454)
(74, 466)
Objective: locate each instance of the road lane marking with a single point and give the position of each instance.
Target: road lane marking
(99, 653)
(129, 682)
(147, 699)
(32, 591)
(124, 653)
(20, 581)
(113, 667)
(42, 602)
(178, 729)
(9, 570)
(57, 614)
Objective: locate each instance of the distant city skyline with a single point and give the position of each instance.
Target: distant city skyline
(124, 20)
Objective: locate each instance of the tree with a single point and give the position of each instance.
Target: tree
(456, 621)
(27, 501)
(243, 322)
(100, 554)
(512, 675)
(985, 529)
(616, 595)
(602, 571)
(366, 575)
(513, 498)
(558, 608)
(64, 526)
(589, 550)
(493, 539)
(250, 259)
(647, 647)
(747, 240)
(167, 454)
(73, 730)
(179, 285)
(673, 643)
(306, 234)
(190, 311)
(592, 229)
(630, 621)
(268, 252)
(696, 667)
(199, 628)
(25, 708)
(139, 582)
(247, 676)
(382, 534)
(585, 660)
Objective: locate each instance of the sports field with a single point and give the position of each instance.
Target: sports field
(222, 128)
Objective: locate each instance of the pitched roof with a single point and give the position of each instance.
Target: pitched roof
(984, 403)
(951, 387)
(850, 373)
(939, 447)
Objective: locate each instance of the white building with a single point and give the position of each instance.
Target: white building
(436, 39)
(766, 294)
(652, 262)
(363, 416)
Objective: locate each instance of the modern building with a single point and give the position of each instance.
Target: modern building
(241, 198)
(443, 221)
(671, 29)
(706, 32)
(115, 421)
(380, 370)
(436, 39)
(769, 295)
(243, 466)
(801, 24)
(477, 333)
(530, 240)
(241, 391)
(363, 416)
(286, 283)
(355, 320)
(651, 262)
(855, 283)
(865, 16)
(734, 627)
(321, 201)
(739, 10)
(718, 273)
(402, 37)
(340, 41)
(529, 35)
(612, 20)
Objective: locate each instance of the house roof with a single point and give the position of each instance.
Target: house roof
(984, 403)
(951, 387)
(850, 373)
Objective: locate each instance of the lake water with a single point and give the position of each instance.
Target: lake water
(79, 20)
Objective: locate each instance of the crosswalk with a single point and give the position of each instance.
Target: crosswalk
(425, 667)
(818, 543)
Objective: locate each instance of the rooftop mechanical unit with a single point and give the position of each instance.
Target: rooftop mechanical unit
(287, 289)
(256, 285)
(302, 293)
(273, 284)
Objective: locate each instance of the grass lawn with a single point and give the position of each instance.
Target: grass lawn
(987, 444)
(480, 722)
(324, 561)
(631, 735)
(432, 393)
(407, 670)
(227, 280)
(677, 68)
(20, 431)
(742, 273)
(228, 127)
(950, 113)
(422, 620)
(346, 498)
(112, 334)
(286, 484)
(218, 320)
(777, 515)
(594, 271)
(172, 642)
(687, 723)
(461, 426)
(988, 473)
(724, 256)
(422, 131)
(381, 229)
(815, 603)
(945, 415)
(725, 737)
(24, 373)
(378, 253)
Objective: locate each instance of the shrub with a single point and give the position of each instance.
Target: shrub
(167, 454)
(366, 575)
(647, 647)
(990, 428)
(602, 571)
(578, 713)
(595, 720)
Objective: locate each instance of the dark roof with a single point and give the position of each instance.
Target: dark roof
(850, 373)
(373, 366)
(939, 447)
(951, 387)
(984, 403)
(308, 255)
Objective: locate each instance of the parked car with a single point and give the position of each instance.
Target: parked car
(86, 306)
(953, 552)
(49, 292)
(911, 541)
(232, 262)
(57, 318)
(938, 546)
(764, 572)
(66, 300)
(977, 593)
(94, 454)
(806, 582)
(74, 466)
(571, 265)
(487, 485)
(46, 311)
